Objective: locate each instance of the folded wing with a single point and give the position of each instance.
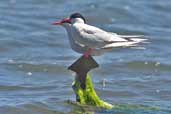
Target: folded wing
(97, 38)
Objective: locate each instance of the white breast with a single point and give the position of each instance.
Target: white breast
(80, 48)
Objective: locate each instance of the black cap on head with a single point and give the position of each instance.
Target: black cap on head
(77, 15)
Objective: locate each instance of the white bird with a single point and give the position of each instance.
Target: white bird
(90, 40)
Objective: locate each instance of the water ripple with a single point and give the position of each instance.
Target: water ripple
(34, 55)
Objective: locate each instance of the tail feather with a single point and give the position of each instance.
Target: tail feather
(136, 38)
(132, 41)
(119, 44)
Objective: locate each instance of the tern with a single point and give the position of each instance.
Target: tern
(90, 40)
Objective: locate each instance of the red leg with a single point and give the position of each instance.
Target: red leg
(88, 52)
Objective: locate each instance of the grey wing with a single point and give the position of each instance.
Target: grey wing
(95, 37)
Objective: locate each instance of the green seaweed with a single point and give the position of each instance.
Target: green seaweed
(88, 95)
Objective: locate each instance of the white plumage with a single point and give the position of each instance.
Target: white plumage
(83, 37)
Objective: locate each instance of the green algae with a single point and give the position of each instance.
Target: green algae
(88, 95)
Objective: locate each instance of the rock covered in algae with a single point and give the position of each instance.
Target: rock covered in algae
(88, 95)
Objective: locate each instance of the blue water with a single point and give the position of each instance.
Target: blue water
(34, 56)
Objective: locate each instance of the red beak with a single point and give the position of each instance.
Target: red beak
(62, 21)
